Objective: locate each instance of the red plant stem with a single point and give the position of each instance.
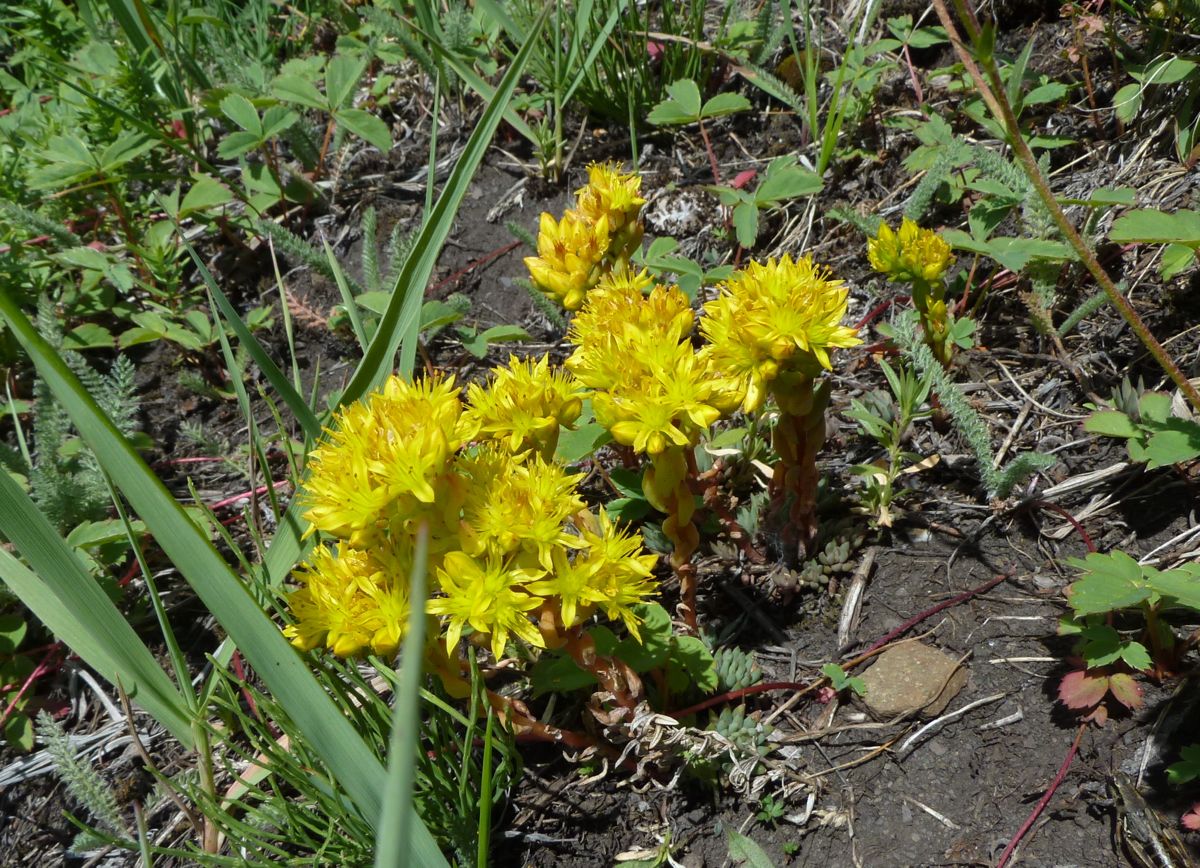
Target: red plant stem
(41, 669)
(1074, 522)
(478, 263)
(738, 694)
(240, 671)
(262, 489)
(878, 311)
(712, 157)
(1045, 800)
(928, 613)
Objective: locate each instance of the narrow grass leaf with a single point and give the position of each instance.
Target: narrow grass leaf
(397, 328)
(394, 844)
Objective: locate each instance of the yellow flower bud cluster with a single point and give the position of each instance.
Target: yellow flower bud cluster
(509, 536)
(774, 321)
(909, 255)
(650, 388)
(598, 235)
(919, 257)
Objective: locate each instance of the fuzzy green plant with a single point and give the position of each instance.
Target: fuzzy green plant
(65, 479)
(83, 782)
(999, 483)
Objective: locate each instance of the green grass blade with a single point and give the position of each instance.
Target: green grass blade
(393, 843)
(59, 591)
(398, 326)
(222, 592)
(348, 300)
(277, 378)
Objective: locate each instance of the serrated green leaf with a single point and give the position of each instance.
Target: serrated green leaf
(236, 144)
(724, 104)
(1151, 226)
(1111, 423)
(744, 851)
(1127, 102)
(341, 76)
(691, 658)
(366, 126)
(1136, 656)
(18, 732)
(293, 88)
(1187, 768)
(12, 633)
(1174, 445)
(243, 113)
(784, 179)
(205, 193)
(745, 223)
(1112, 581)
(1176, 258)
(1180, 585)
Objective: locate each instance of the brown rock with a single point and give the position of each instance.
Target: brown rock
(912, 678)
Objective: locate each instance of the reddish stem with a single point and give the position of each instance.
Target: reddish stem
(41, 669)
(878, 310)
(712, 157)
(1045, 800)
(478, 263)
(262, 489)
(240, 671)
(928, 613)
(1074, 522)
(738, 694)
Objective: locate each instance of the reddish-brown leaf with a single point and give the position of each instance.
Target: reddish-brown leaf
(1125, 690)
(1081, 690)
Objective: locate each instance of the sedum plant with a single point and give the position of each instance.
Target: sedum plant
(592, 239)
(517, 557)
(654, 393)
(770, 333)
(919, 257)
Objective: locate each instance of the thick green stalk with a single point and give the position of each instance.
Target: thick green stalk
(998, 104)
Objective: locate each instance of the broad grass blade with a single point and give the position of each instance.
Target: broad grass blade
(59, 591)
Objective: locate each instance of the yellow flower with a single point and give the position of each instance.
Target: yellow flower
(623, 569)
(489, 596)
(382, 459)
(611, 196)
(613, 572)
(569, 257)
(772, 317)
(652, 391)
(911, 254)
(525, 405)
(517, 507)
(351, 600)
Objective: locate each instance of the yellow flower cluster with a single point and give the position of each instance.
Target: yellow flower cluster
(773, 320)
(509, 536)
(650, 388)
(598, 235)
(912, 254)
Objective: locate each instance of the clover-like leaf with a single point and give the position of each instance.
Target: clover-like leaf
(1113, 581)
(1081, 690)
(1125, 690)
(1188, 766)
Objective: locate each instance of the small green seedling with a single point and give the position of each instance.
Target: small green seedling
(839, 680)
(683, 106)
(783, 180)
(886, 419)
(1112, 583)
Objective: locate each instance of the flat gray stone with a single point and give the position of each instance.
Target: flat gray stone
(912, 678)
